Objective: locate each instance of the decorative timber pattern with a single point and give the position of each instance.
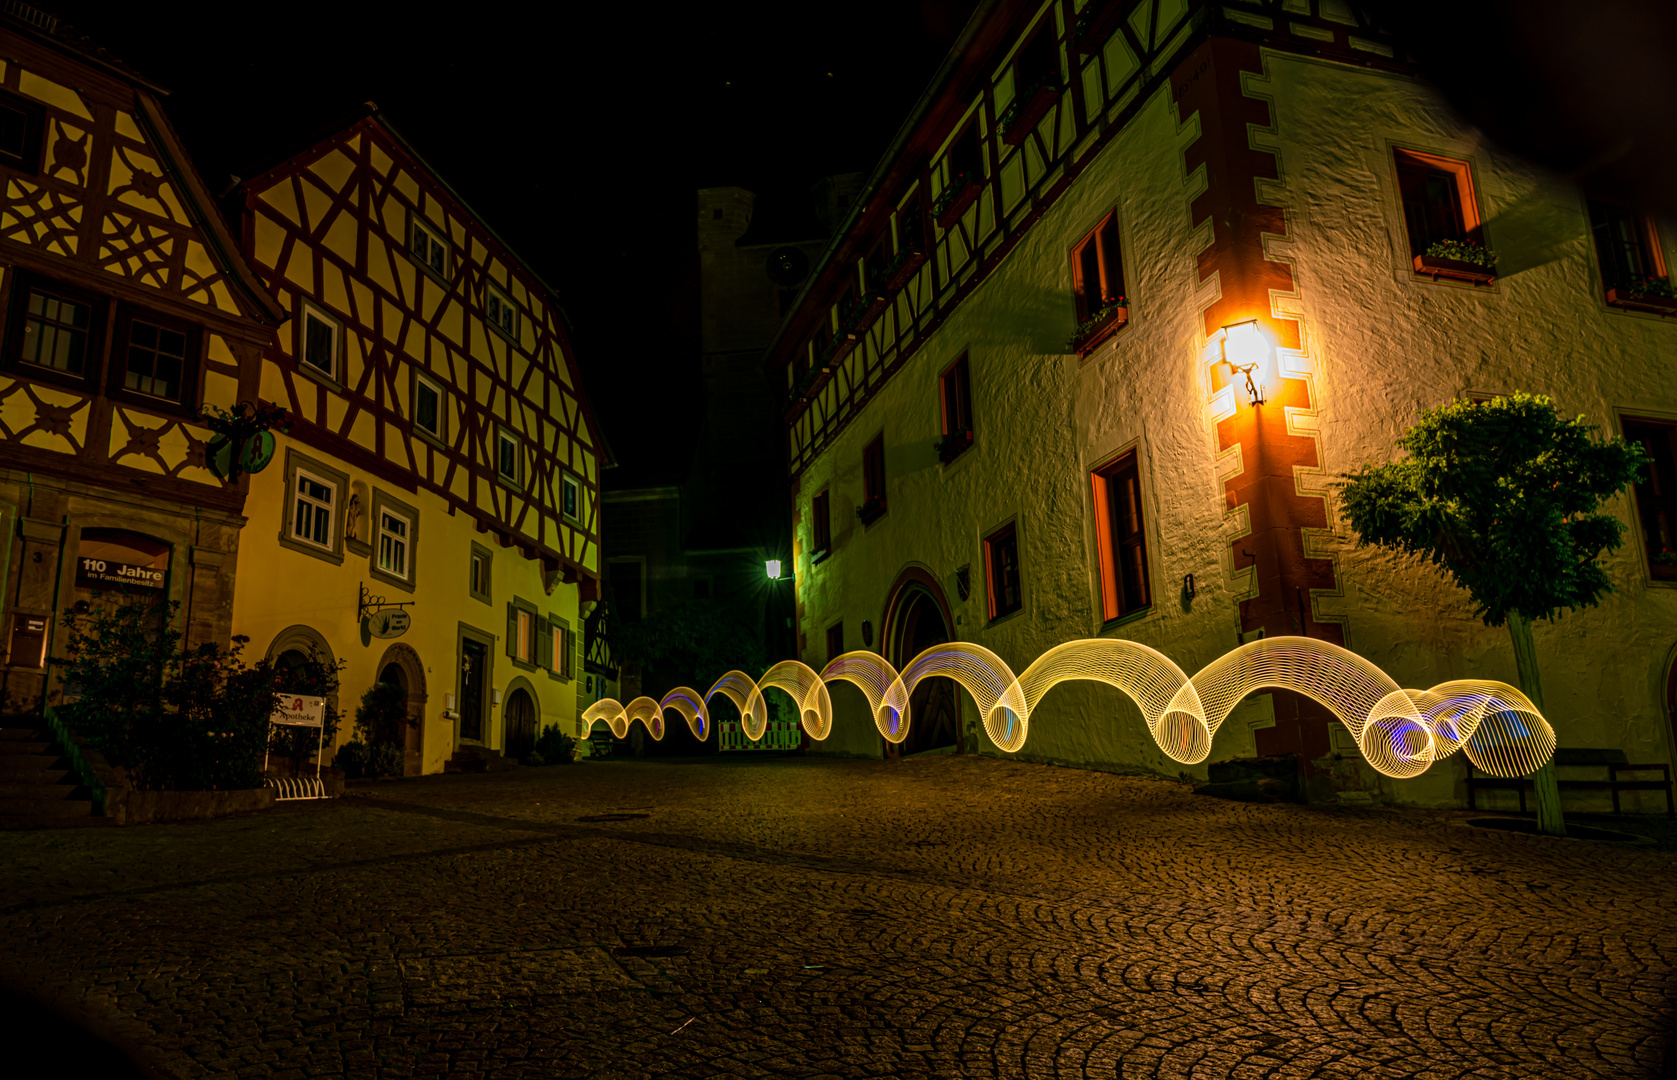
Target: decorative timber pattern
(855, 329)
(112, 208)
(334, 225)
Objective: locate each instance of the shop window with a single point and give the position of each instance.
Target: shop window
(1120, 538)
(428, 399)
(955, 398)
(1656, 495)
(835, 641)
(503, 315)
(821, 525)
(21, 123)
(1438, 200)
(478, 581)
(1627, 248)
(1097, 270)
(428, 247)
(321, 341)
(509, 458)
(1001, 571)
(873, 481)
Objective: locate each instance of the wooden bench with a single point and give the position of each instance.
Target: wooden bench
(1613, 761)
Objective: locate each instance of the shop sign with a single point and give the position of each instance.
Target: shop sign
(389, 623)
(298, 711)
(96, 573)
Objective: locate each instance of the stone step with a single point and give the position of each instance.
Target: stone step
(16, 807)
(22, 789)
(25, 734)
(11, 747)
(26, 767)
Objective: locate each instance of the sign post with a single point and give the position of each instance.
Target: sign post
(295, 710)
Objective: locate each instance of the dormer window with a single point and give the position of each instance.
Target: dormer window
(428, 247)
(500, 311)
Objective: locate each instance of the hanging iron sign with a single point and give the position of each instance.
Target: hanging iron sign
(389, 623)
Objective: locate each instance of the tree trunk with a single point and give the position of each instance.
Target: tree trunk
(1548, 792)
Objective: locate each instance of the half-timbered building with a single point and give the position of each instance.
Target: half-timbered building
(432, 516)
(127, 309)
(1021, 411)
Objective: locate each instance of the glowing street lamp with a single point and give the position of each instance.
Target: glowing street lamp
(773, 567)
(1246, 348)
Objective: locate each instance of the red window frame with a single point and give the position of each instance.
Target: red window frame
(1121, 538)
(1097, 268)
(1656, 496)
(955, 396)
(1414, 170)
(1004, 579)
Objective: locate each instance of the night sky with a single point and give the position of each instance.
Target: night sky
(579, 133)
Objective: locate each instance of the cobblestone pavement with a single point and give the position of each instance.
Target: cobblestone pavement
(941, 916)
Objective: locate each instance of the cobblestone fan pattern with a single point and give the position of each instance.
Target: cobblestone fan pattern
(941, 916)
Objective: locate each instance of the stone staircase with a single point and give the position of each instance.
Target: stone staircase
(38, 787)
(477, 759)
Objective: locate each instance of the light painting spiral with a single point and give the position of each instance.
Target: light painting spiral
(1399, 732)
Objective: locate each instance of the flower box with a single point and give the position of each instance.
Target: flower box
(951, 206)
(1095, 26)
(1657, 305)
(903, 269)
(842, 345)
(871, 510)
(952, 445)
(1027, 111)
(1454, 269)
(870, 308)
(1103, 325)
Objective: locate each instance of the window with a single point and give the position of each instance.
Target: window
(314, 507)
(966, 158)
(1001, 571)
(559, 653)
(570, 497)
(56, 332)
(955, 397)
(502, 315)
(821, 525)
(1626, 245)
(478, 582)
(156, 357)
(509, 458)
(911, 229)
(1438, 201)
(21, 122)
(320, 333)
(873, 266)
(1097, 269)
(835, 641)
(393, 530)
(1656, 496)
(1038, 63)
(428, 248)
(873, 479)
(1120, 542)
(428, 406)
(521, 632)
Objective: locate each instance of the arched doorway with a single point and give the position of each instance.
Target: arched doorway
(916, 621)
(521, 724)
(304, 664)
(400, 665)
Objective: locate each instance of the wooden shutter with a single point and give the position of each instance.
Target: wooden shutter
(512, 629)
(544, 644)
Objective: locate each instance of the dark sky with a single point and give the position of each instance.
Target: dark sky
(578, 132)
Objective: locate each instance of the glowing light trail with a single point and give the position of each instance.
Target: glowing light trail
(1399, 732)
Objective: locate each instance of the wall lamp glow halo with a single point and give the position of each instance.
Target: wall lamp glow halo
(1246, 348)
(1399, 732)
(773, 568)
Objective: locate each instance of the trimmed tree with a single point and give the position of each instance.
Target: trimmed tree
(1505, 496)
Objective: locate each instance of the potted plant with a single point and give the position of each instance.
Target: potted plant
(871, 509)
(951, 445)
(1095, 25)
(957, 195)
(867, 308)
(1655, 294)
(1458, 260)
(902, 267)
(1029, 105)
(1113, 313)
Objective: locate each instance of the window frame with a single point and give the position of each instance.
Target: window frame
(992, 545)
(1104, 253)
(1115, 606)
(487, 593)
(957, 377)
(28, 162)
(874, 480)
(570, 481)
(1649, 248)
(94, 362)
(506, 434)
(495, 292)
(835, 631)
(307, 307)
(382, 503)
(418, 222)
(191, 380)
(1460, 171)
(1646, 504)
(439, 436)
(561, 649)
(320, 471)
(517, 608)
(821, 525)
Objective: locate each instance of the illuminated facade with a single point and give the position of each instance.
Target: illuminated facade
(443, 455)
(1133, 285)
(127, 308)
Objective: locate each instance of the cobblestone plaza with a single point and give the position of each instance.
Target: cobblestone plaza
(941, 916)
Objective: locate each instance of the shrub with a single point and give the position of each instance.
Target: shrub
(352, 759)
(192, 719)
(533, 758)
(554, 747)
(381, 724)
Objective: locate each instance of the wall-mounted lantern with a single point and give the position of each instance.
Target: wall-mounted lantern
(1247, 349)
(773, 567)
